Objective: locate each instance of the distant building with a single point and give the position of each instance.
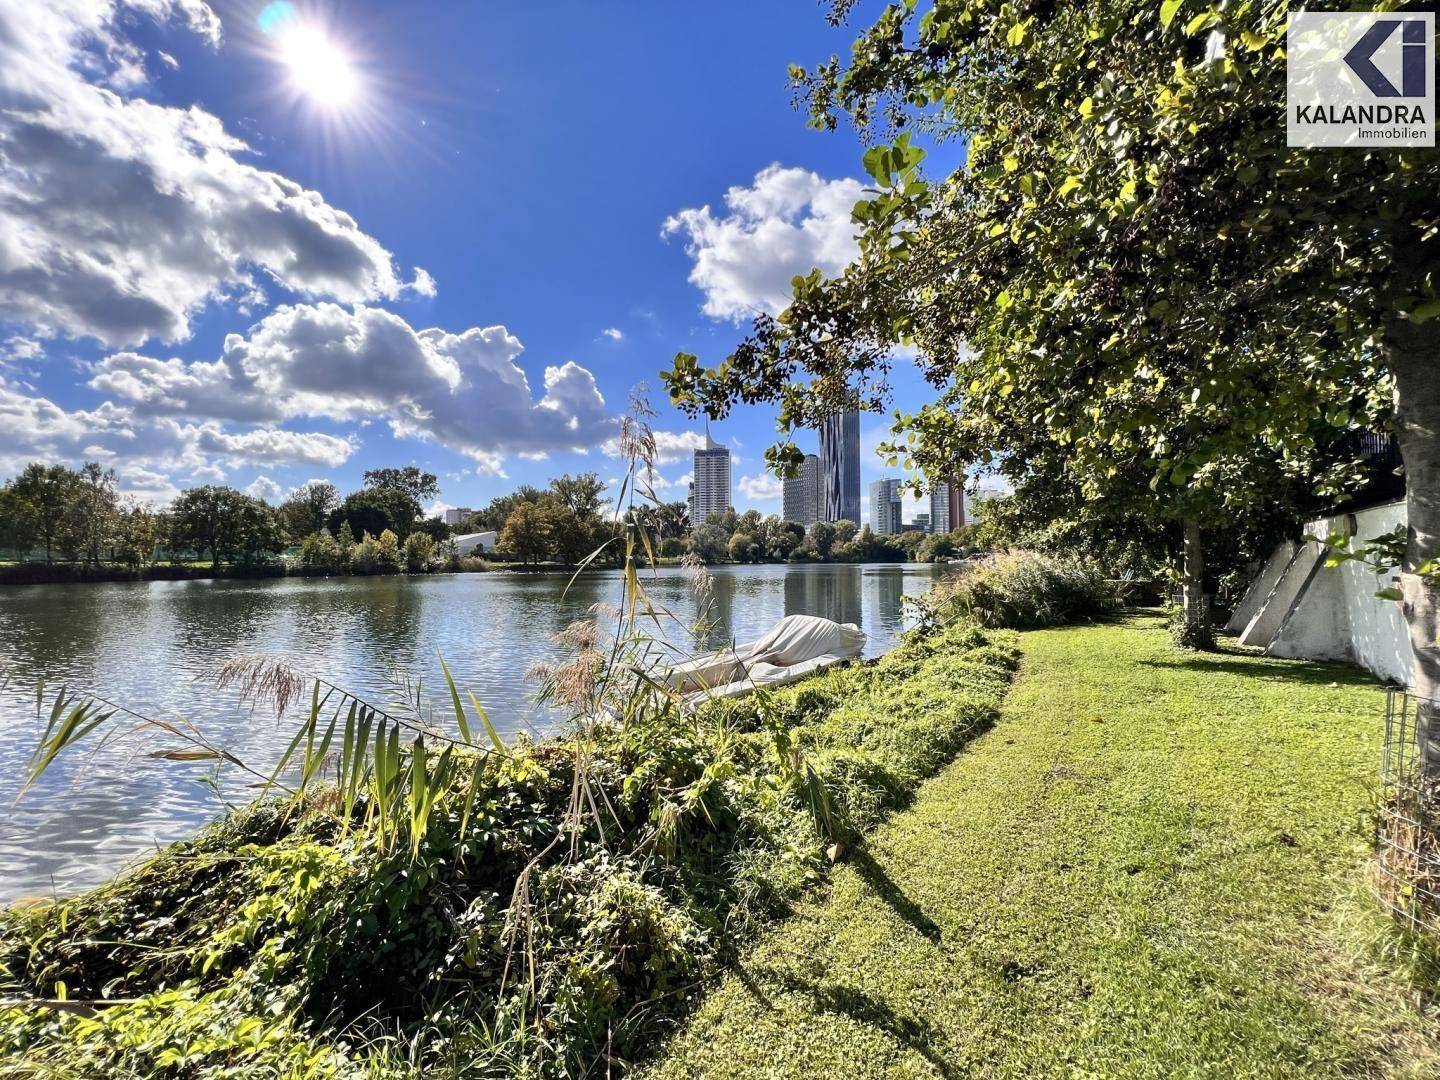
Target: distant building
(947, 507)
(710, 491)
(921, 523)
(840, 468)
(475, 543)
(886, 504)
(801, 499)
(458, 515)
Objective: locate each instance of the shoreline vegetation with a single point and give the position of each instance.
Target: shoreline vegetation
(693, 892)
(39, 573)
(543, 908)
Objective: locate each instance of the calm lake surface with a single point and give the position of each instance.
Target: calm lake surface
(153, 646)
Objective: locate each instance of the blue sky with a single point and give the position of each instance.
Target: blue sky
(224, 268)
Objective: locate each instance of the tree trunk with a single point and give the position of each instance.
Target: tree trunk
(1413, 354)
(1194, 630)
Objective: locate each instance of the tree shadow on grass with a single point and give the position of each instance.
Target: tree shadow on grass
(1268, 668)
(885, 887)
(841, 1000)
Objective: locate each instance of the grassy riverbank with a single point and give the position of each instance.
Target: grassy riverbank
(1150, 866)
(547, 911)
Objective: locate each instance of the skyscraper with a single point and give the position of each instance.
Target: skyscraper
(885, 507)
(710, 492)
(947, 507)
(801, 499)
(458, 515)
(840, 467)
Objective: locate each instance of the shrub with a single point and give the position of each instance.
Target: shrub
(419, 553)
(1021, 589)
(376, 554)
(500, 931)
(320, 551)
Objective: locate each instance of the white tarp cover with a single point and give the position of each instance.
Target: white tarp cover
(794, 647)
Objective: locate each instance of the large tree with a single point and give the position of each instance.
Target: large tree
(308, 508)
(89, 521)
(526, 535)
(228, 524)
(47, 494)
(500, 508)
(580, 495)
(402, 494)
(370, 512)
(1131, 266)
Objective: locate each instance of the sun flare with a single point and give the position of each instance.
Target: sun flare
(319, 68)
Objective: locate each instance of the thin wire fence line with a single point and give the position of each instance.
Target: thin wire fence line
(1405, 873)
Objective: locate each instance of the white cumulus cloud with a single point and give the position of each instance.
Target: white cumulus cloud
(787, 222)
(762, 488)
(33, 427)
(121, 218)
(262, 487)
(462, 390)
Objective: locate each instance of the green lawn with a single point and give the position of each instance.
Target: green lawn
(1151, 866)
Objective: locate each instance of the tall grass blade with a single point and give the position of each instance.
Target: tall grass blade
(495, 739)
(460, 720)
(80, 721)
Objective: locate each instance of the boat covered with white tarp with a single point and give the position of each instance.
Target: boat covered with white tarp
(797, 646)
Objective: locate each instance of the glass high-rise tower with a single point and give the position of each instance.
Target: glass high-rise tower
(886, 506)
(947, 506)
(801, 498)
(840, 467)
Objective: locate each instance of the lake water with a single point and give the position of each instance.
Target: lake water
(153, 646)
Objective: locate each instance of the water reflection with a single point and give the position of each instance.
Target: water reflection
(153, 647)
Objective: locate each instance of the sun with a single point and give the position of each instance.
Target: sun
(319, 68)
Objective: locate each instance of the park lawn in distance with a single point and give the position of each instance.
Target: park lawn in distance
(1151, 866)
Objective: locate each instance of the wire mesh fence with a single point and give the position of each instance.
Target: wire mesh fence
(1406, 870)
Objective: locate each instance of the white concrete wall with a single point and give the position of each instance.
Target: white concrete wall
(1338, 617)
(1261, 588)
(1293, 582)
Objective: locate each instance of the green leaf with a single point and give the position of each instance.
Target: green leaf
(1425, 312)
(458, 708)
(1201, 22)
(1389, 594)
(1168, 10)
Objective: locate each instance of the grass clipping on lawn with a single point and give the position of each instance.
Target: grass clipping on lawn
(284, 942)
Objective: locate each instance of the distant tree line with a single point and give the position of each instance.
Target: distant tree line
(77, 516)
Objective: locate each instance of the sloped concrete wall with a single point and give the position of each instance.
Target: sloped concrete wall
(1338, 617)
(1261, 588)
(1295, 579)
